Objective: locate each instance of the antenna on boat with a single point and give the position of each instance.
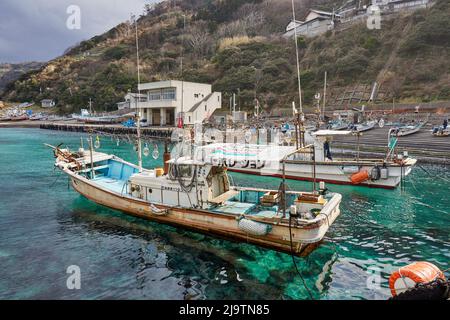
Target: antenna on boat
(300, 116)
(138, 117)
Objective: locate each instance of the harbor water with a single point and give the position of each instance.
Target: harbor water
(45, 227)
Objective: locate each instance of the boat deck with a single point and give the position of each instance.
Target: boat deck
(112, 184)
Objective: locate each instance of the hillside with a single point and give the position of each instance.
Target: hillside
(237, 46)
(12, 72)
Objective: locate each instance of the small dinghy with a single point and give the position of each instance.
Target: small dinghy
(440, 132)
(362, 127)
(337, 125)
(408, 130)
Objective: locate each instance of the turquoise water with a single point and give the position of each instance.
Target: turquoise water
(46, 227)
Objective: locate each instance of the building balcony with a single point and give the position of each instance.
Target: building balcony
(157, 104)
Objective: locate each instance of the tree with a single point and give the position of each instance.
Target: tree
(199, 40)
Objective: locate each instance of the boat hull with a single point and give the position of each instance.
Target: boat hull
(304, 239)
(332, 173)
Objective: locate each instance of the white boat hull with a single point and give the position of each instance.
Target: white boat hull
(333, 173)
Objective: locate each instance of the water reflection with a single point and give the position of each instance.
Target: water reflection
(191, 265)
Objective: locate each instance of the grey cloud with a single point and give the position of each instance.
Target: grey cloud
(36, 29)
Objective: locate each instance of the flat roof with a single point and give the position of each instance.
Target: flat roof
(167, 84)
(322, 133)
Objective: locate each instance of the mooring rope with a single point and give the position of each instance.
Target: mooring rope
(285, 187)
(295, 263)
(429, 174)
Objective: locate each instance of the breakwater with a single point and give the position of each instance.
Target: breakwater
(157, 133)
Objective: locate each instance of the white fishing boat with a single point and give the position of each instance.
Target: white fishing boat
(385, 172)
(194, 192)
(409, 129)
(362, 127)
(84, 114)
(338, 125)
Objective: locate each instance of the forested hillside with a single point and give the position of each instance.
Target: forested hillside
(237, 46)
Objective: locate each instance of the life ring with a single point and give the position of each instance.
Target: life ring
(407, 277)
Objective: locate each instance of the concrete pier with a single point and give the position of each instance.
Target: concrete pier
(152, 132)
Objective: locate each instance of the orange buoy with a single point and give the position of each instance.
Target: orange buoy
(359, 177)
(418, 272)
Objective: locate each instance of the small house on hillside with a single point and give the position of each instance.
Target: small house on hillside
(315, 23)
(404, 5)
(48, 103)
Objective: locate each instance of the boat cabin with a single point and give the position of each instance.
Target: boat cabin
(322, 139)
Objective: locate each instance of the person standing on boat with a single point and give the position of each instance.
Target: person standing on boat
(326, 148)
(445, 125)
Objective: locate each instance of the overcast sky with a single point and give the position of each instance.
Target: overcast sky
(36, 30)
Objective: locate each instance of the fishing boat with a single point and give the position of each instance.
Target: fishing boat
(385, 172)
(441, 132)
(409, 129)
(362, 127)
(337, 125)
(19, 118)
(194, 192)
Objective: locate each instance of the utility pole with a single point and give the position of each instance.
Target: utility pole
(138, 116)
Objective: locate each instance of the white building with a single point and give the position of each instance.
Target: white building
(168, 101)
(131, 100)
(315, 23)
(403, 5)
(48, 103)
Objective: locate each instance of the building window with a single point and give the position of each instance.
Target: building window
(154, 95)
(162, 94)
(168, 94)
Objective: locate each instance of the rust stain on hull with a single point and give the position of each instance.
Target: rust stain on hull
(191, 219)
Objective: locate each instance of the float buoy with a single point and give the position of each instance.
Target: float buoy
(359, 177)
(409, 276)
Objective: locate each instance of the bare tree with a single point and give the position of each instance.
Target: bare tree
(198, 39)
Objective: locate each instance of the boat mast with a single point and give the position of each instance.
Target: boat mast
(324, 96)
(182, 71)
(90, 106)
(138, 116)
(300, 116)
